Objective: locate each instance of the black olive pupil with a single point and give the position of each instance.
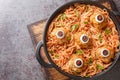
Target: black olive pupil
(84, 38)
(105, 52)
(117, 47)
(60, 33)
(78, 62)
(99, 17)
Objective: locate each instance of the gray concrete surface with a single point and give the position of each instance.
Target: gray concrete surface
(17, 60)
(17, 56)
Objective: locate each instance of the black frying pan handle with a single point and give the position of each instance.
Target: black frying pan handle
(39, 57)
(116, 13)
(114, 8)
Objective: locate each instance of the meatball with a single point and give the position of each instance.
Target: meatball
(77, 63)
(83, 39)
(59, 35)
(98, 20)
(106, 54)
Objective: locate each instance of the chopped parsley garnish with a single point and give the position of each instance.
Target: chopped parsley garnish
(86, 75)
(59, 24)
(51, 51)
(79, 52)
(74, 27)
(108, 31)
(87, 8)
(76, 73)
(57, 56)
(90, 61)
(61, 16)
(100, 38)
(76, 13)
(99, 67)
(68, 38)
(85, 22)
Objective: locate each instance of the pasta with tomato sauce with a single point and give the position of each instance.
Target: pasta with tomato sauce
(82, 40)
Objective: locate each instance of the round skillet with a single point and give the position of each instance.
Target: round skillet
(42, 43)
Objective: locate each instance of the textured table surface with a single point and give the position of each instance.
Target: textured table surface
(17, 55)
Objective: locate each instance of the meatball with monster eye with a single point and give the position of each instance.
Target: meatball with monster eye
(77, 64)
(83, 39)
(106, 54)
(98, 20)
(60, 35)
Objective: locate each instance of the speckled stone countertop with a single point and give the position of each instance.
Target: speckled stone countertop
(17, 55)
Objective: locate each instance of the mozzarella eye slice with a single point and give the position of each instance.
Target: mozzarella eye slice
(99, 18)
(78, 63)
(84, 38)
(60, 34)
(105, 52)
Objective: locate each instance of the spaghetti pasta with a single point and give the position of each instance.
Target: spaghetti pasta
(74, 21)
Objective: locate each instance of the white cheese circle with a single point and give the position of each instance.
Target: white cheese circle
(103, 54)
(76, 64)
(82, 37)
(60, 37)
(99, 20)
